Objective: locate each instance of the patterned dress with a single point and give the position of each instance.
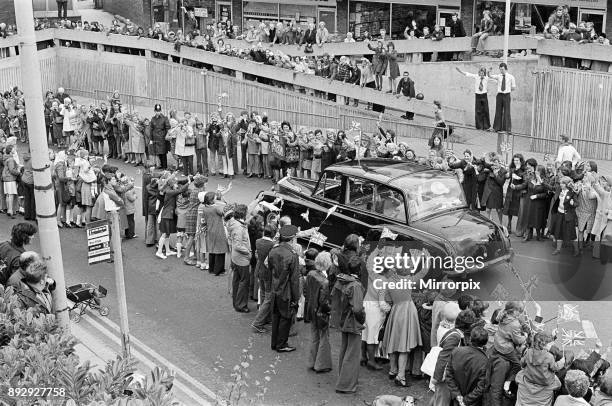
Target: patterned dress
(587, 206)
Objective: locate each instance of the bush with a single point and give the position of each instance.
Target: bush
(35, 353)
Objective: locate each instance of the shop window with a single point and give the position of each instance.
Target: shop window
(403, 14)
(524, 17)
(368, 16)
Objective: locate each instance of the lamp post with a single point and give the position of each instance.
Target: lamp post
(506, 31)
(50, 246)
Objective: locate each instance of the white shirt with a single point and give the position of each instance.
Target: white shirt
(510, 82)
(568, 153)
(562, 201)
(485, 82)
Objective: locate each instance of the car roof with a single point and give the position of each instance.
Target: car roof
(381, 170)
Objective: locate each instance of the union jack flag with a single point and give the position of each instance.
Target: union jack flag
(572, 338)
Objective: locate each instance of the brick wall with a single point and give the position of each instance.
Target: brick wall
(467, 15)
(342, 16)
(7, 12)
(138, 11)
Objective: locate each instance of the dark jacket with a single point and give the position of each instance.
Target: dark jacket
(9, 254)
(347, 304)
(317, 301)
(456, 28)
(170, 196)
(213, 131)
(152, 198)
(406, 87)
(159, 128)
(284, 265)
(262, 249)
(28, 299)
(310, 37)
(570, 204)
(451, 340)
(466, 374)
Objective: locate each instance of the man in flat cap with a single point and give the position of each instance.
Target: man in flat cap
(284, 265)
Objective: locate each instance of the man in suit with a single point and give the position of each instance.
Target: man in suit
(284, 265)
(405, 88)
(262, 272)
(506, 84)
(62, 5)
(466, 371)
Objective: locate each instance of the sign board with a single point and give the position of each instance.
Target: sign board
(200, 12)
(98, 242)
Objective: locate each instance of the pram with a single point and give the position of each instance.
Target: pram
(85, 295)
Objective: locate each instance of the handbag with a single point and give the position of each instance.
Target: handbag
(431, 359)
(190, 141)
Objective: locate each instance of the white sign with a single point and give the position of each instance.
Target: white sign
(200, 12)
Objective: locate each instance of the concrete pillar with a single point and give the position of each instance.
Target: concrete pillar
(147, 53)
(100, 48)
(239, 75)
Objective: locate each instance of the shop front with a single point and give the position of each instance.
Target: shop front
(372, 16)
(529, 17)
(302, 12)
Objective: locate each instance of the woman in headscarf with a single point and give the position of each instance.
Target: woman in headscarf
(136, 139)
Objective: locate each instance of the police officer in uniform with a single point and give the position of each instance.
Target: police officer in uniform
(284, 265)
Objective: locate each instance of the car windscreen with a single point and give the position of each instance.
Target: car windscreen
(430, 192)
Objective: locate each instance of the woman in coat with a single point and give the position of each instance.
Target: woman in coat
(136, 140)
(216, 239)
(62, 195)
(536, 206)
(493, 194)
(167, 217)
(379, 63)
(392, 67)
(470, 177)
(292, 150)
(402, 332)
(565, 219)
(318, 308)
(49, 98)
(587, 201)
(602, 190)
(185, 146)
(226, 150)
(516, 187)
(71, 116)
(10, 173)
(523, 215)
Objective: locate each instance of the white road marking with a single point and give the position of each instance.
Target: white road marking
(179, 373)
(538, 259)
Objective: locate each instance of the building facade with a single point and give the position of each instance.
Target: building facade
(359, 16)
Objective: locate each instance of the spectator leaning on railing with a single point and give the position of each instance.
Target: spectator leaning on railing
(485, 29)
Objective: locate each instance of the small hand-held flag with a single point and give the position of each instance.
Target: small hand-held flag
(568, 312)
(386, 233)
(330, 211)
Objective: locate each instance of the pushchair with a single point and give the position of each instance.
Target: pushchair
(85, 295)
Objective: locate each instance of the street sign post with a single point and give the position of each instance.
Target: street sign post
(98, 242)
